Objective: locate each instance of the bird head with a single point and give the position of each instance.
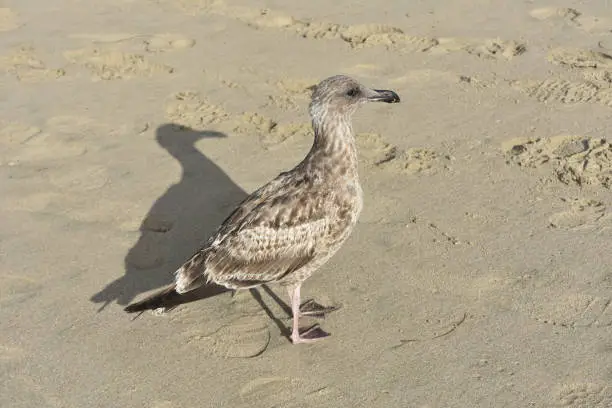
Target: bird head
(343, 95)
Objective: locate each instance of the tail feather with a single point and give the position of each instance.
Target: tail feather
(167, 297)
(189, 276)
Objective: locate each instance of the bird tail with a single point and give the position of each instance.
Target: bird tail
(188, 277)
(163, 298)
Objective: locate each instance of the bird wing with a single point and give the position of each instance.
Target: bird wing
(262, 254)
(271, 234)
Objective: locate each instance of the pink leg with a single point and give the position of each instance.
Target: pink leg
(311, 334)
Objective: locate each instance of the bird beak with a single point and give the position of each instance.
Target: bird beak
(382, 95)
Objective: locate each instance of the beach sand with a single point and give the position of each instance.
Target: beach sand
(479, 274)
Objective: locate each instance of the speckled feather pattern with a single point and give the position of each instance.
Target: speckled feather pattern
(291, 226)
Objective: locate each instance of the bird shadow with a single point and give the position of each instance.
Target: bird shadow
(284, 329)
(178, 223)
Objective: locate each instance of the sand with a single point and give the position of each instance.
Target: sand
(478, 276)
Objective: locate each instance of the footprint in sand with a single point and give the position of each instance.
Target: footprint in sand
(603, 80)
(270, 132)
(374, 150)
(109, 64)
(583, 395)
(572, 17)
(394, 39)
(23, 63)
(245, 337)
(568, 92)
(293, 94)
(577, 160)
(579, 58)
(255, 123)
(370, 35)
(580, 214)
(9, 20)
(191, 110)
(284, 102)
(229, 83)
(596, 68)
(416, 161)
(356, 36)
(554, 14)
(483, 48)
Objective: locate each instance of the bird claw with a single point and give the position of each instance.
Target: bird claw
(314, 309)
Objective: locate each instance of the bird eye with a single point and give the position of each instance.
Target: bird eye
(352, 92)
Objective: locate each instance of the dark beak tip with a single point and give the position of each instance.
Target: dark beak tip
(394, 98)
(387, 96)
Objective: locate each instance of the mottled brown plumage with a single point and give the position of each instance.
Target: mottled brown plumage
(291, 226)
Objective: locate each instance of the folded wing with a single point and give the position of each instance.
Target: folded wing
(273, 233)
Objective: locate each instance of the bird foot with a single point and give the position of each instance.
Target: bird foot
(309, 335)
(314, 309)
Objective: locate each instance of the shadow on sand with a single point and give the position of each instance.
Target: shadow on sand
(178, 223)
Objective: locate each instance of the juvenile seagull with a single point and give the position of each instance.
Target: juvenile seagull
(293, 225)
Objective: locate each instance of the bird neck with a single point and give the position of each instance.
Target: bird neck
(334, 147)
(188, 156)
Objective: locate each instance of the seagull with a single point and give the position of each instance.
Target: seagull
(290, 227)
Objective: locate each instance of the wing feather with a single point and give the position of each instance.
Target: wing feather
(263, 254)
(272, 233)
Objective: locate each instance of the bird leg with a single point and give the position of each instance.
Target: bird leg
(308, 335)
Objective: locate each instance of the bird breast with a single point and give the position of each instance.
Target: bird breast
(347, 205)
